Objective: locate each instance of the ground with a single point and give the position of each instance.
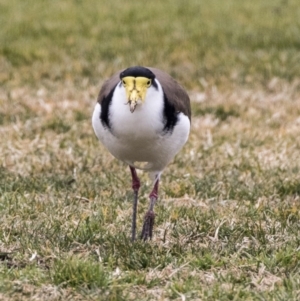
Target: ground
(227, 219)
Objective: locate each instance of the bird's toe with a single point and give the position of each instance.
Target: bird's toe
(148, 225)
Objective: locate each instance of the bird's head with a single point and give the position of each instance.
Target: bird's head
(136, 81)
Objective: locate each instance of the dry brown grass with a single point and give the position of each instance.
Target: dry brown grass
(241, 137)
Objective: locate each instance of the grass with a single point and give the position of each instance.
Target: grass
(227, 220)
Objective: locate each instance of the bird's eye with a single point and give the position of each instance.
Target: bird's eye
(148, 83)
(123, 82)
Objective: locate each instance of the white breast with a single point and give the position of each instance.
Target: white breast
(144, 122)
(138, 136)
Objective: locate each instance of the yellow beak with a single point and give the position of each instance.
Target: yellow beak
(136, 89)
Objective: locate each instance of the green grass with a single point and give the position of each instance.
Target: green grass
(219, 42)
(227, 221)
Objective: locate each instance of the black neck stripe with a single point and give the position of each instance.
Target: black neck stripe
(105, 104)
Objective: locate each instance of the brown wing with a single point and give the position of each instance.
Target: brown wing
(108, 86)
(174, 92)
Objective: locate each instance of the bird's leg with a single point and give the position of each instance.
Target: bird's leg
(135, 186)
(150, 215)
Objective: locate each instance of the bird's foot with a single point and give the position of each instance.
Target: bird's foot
(148, 225)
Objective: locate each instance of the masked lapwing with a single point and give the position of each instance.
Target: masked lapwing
(142, 117)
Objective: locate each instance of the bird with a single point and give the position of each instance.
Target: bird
(143, 117)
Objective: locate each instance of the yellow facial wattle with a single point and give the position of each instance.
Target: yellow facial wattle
(136, 89)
